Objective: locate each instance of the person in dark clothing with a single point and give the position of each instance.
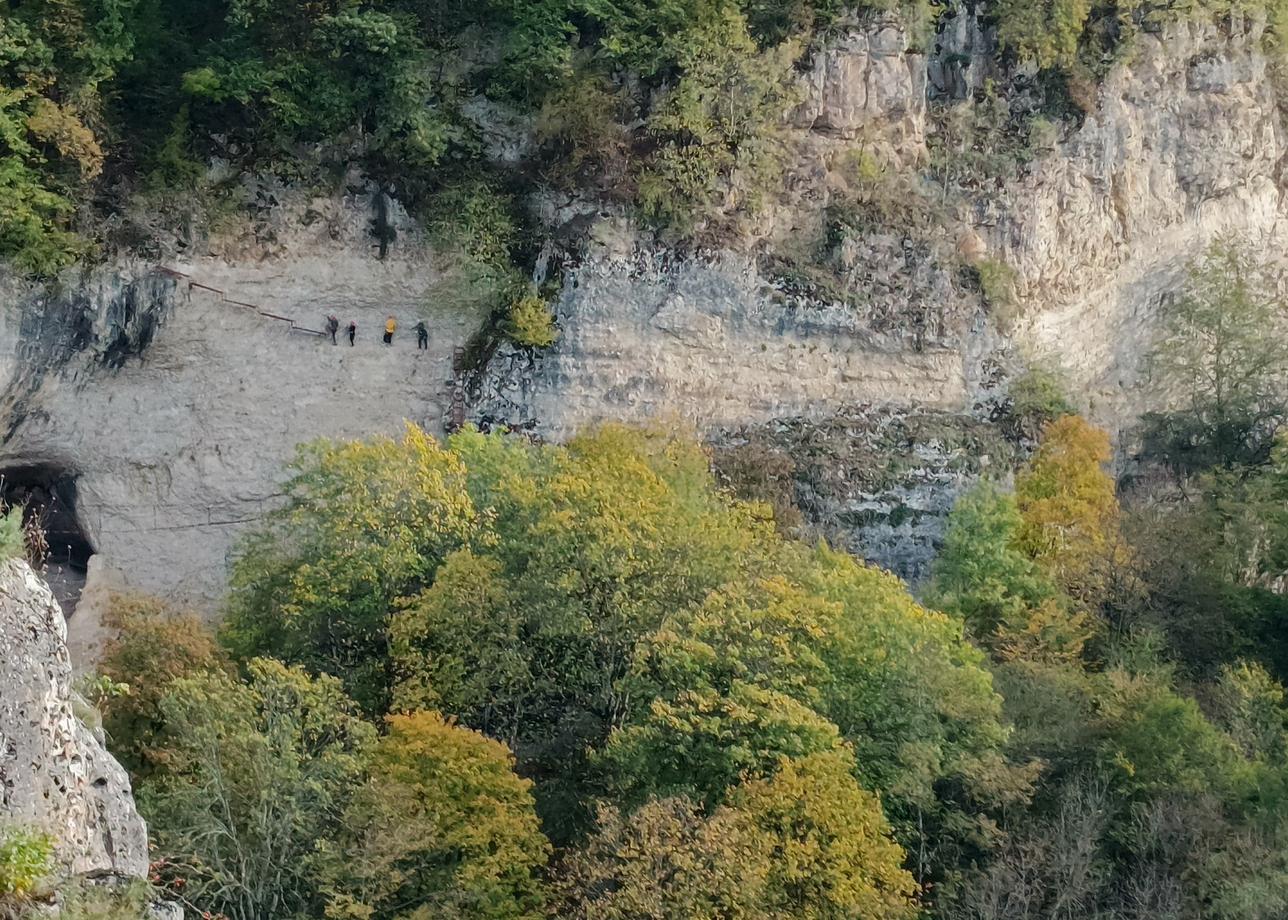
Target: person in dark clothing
(332, 327)
(422, 337)
(353, 331)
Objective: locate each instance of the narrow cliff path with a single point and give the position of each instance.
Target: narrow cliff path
(177, 451)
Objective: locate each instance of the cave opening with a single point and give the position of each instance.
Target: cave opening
(47, 493)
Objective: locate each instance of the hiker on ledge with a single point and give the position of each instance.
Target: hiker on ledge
(353, 331)
(390, 325)
(422, 337)
(332, 327)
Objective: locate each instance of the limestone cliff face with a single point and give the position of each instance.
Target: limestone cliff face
(177, 439)
(55, 774)
(174, 407)
(1185, 142)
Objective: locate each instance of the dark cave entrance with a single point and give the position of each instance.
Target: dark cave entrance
(47, 493)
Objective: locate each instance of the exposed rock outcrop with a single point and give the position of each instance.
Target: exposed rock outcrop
(174, 409)
(709, 342)
(55, 774)
(175, 448)
(1185, 143)
(866, 85)
(880, 481)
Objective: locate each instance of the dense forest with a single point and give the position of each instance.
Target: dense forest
(490, 678)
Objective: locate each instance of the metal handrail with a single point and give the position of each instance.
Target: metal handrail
(223, 295)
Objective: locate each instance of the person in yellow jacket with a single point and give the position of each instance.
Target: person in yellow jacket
(390, 325)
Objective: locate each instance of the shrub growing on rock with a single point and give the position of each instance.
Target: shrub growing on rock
(26, 860)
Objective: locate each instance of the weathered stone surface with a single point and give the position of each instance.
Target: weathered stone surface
(963, 60)
(1166, 163)
(708, 343)
(880, 481)
(181, 444)
(176, 410)
(866, 83)
(55, 774)
(1185, 144)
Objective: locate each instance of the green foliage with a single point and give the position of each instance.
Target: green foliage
(581, 128)
(321, 73)
(1250, 707)
(1070, 511)
(84, 900)
(258, 772)
(1161, 744)
(531, 323)
(586, 550)
(175, 167)
(363, 524)
(1213, 563)
(605, 611)
(725, 692)
(441, 828)
(13, 535)
(666, 859)
(833, 853)
(1037, 398)
(152, 646)
(805, 842)
(1046, 32)
(1223, 358)
(997, 284)
(50, 152)
(26, 860)
(983, 575)
(477, 217)
(718, 129)
(763, 729)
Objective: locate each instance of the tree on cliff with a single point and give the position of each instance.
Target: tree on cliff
(1222, 359)
(54, 54)
(805, 842)
(258, 772)
(1070, 521)
(151, 647)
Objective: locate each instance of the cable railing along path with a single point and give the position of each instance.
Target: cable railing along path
(455, 388)
(223, 296)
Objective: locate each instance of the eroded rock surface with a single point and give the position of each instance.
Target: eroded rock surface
(55, 773)
(174, 409)
(178, 439)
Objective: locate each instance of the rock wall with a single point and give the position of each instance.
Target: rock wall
(708, 342)
(179, 442)
(1185, 143)
(879, 481)
(174, 408)
(55, 774)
